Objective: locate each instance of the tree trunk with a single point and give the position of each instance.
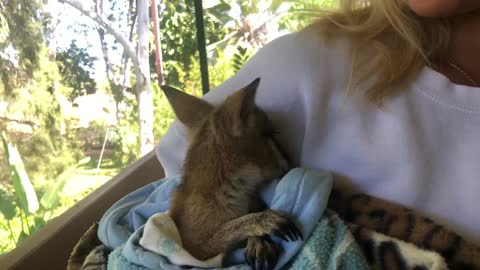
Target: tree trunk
(144, 91)
(139, 61)
(158, 43)
(115, 90)
(126, 63)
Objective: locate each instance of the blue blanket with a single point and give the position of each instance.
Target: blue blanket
(301, 194)
(331, 246)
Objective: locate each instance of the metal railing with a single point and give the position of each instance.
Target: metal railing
(202, 47)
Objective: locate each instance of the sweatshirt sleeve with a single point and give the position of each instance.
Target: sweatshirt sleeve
(279, 65)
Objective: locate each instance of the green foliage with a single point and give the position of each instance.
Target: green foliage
(51, 198)
(21, 22)
(85, 180)
(222, 19)
(163, 113)
(4, 31)
(218, 72)
(176, 28)
(26, 196)
(7, 204)
(240, 57)
(46, 144)
(303, 13)
(13, 208)
(35, 126)
(75, 65)
(124, 135)
(22, 236)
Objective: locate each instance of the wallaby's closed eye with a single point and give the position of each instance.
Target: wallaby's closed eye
(231, 153)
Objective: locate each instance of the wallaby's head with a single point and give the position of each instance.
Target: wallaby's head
(233, 140)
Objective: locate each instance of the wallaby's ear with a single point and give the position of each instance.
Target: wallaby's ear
(241, 105)
(189, 110)
(248, 102)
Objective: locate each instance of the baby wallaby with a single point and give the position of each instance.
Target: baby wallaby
(231, 154)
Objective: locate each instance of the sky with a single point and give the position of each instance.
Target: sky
(70, 25)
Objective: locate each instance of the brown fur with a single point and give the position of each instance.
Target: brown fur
(231, 154)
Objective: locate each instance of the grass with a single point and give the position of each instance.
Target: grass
(86, 179)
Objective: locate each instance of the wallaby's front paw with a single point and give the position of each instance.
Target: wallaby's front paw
(260, 253)
(281, 226)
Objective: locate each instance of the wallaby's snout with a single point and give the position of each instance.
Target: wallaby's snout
(237, 131)
(252, 133)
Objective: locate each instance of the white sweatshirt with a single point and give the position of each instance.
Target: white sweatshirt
(422, 151)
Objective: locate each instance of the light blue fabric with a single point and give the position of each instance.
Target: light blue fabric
(302, 194)
(132, 211)
(331, 246)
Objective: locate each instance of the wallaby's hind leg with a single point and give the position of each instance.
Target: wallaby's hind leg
(263, 223)
(239, 231)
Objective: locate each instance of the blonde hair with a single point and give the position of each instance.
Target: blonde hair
(402, 42)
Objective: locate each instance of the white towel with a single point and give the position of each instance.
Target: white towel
(161, 236)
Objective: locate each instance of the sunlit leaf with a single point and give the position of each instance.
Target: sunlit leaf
(276, 4)
(51, 198)
(4, 30)
(26, 196)
(210, 3)
(83, 161)
(22, 237)
(7, 205)
(37, 225)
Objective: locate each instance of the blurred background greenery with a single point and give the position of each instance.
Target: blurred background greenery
(68, 104)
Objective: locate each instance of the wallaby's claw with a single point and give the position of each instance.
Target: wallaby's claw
(260, 253)
(284, 228)
(281, 235)
(289, 230)
(293, 232)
